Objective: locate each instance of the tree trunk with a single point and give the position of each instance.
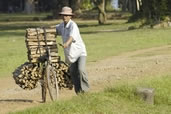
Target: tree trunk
(124, 5)
(132, 6)
(101, 8)
(29, 6)
(146, 9)
(108, 4)
(75, 5)
(57, 6)
(139, 4)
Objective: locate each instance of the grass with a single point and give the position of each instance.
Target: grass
(113, 43)
(120, 99)
(100, 44)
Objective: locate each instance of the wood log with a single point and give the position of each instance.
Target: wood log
(27, 75)
(53, 54)
(43, 50)
(34, 31)
(41, 43)
(40, 36)
(40, 39)
(30, 47)
(28, 79)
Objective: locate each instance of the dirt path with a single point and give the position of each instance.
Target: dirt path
(126, 66)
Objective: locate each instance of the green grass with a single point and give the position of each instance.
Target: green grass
(119, 99)
(99, 44)
(12, 53)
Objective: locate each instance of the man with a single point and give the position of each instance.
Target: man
(74, 50)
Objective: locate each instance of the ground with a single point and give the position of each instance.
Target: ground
(126, 66)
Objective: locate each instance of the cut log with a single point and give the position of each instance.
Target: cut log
(41, 43)
(33, 31)
(27, 75)
(40, 36)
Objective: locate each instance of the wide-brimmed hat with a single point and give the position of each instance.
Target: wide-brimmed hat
(66, 11)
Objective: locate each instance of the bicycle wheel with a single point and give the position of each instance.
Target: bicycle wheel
(43, 82)
(52, 83)
(44, 90)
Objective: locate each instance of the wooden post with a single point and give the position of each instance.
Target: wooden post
(147, 94)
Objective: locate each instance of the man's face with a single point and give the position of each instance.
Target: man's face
(66, 18)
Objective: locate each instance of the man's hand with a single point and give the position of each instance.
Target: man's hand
(68, 42)
(65, 45)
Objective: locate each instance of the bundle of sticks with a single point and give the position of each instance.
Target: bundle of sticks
(38, 40)
(27, 75)
(63, 77)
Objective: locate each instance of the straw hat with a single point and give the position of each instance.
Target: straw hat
(66, 11)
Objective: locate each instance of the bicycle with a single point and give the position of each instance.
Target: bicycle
(49, 81)
(44, 64)
(49, 76)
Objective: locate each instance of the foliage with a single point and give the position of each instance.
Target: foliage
(108, 5)
(153, 10)
(87, 5)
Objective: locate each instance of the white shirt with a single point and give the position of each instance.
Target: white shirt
(77, 47)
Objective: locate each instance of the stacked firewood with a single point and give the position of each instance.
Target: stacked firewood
(63, 77)
(27, 75)
(38, 40)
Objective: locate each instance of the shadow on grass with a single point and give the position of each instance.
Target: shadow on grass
(97, 25)
(8, 34)
(16, 27)
(19, 100)
(104, 31)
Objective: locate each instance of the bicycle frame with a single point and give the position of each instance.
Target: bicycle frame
(47, 80)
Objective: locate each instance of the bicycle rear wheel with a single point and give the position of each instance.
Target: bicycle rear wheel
(44, 90)
(43, 82)
(52, 83)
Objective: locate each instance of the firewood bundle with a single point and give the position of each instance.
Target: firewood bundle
(27, 75)
(38, 40)
(63, 77)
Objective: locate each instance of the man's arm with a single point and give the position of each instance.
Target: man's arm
(68, 42)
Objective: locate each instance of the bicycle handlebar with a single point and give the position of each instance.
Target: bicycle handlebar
(61, 45)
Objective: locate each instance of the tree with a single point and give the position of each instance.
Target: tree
(108, 4)
(100, 4)
(76, 6)
(29, 6)
(154, 9)
(57, 6)
(130, 5)
(86, 4)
